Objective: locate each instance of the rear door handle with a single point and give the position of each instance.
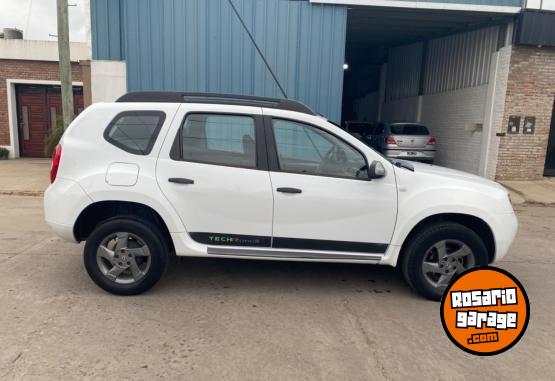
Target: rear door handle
(289, 190)
(180, 180)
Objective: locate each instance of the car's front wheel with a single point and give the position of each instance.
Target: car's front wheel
(437, 253)
(125, 256)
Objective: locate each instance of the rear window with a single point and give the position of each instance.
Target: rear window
(409, 129)
(135, 131)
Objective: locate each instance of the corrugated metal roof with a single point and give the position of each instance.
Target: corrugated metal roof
(200, 46)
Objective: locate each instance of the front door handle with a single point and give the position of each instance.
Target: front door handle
(180, 180)
(289, 190)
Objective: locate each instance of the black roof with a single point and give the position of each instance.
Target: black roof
(213, 98)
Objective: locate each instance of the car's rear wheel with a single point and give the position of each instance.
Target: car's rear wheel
(125, 256)
(437, 253)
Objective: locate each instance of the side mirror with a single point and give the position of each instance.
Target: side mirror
(376, 170)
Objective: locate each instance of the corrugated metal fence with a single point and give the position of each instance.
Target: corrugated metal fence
(460, 61)
(452, 62)
(403, 77)
(199, 45)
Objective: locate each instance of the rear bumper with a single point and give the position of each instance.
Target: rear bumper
(64, 200)
(410, 154)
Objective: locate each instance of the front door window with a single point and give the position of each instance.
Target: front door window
(309, 150)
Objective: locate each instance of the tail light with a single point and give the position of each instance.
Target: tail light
(390, 140)
(432, 141)
(56, 156)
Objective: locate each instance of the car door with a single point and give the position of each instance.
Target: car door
(323, 198)
(214, 172)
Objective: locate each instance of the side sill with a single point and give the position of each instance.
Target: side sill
(243, 252)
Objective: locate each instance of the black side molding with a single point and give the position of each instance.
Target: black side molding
(327, 245)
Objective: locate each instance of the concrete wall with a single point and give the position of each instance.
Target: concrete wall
(530, 92)
(446, 114)
(495, 107)
(40, 50)
(108, 80)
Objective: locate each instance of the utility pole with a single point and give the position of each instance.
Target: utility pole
(65, 64)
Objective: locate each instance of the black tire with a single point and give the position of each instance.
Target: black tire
(147, 233)
(417, 248)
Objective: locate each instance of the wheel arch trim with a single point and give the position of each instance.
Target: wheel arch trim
(481, 225)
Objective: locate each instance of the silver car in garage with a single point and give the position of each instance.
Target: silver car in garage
(404, 140)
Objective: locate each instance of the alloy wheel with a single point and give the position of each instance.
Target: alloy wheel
(445, 259)
(123, 258)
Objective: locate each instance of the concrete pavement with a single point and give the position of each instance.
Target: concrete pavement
(247, 320)
(24, 177)
(540, 192)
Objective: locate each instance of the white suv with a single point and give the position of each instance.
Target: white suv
(156, 174)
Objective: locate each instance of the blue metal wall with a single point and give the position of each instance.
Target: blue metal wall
(199, 45)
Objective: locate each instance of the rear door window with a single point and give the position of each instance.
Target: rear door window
(219, 139)
(135, 131)
(409, 129)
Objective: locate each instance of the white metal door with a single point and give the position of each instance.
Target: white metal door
(319, 205)
(213, 178)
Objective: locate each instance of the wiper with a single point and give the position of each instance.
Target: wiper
(403, 164)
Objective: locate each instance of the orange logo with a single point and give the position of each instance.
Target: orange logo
(485, 311)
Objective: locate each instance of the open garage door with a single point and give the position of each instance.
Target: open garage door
(428, 66)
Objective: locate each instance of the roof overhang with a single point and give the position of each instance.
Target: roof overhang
(515, 6)
(370, 29)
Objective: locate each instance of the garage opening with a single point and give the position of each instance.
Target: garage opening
(39, 108)
(426, 66)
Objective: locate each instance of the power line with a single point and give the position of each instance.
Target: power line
(257, 48)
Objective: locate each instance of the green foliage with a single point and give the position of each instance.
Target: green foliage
(53, 137)
(4, 152)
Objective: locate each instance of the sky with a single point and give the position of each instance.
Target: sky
(37, 18)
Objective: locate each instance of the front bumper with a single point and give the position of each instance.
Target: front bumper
(506, 227)
(409, 154)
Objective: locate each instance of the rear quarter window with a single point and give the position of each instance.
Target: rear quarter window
(135, 131)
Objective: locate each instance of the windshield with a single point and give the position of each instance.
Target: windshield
(409, 129)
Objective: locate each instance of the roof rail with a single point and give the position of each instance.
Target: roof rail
(213, 98)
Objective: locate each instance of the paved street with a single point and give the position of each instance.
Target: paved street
(238, 320)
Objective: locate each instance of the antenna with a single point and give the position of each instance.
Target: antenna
(257, 48)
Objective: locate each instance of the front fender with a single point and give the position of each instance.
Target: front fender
(422, 196)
